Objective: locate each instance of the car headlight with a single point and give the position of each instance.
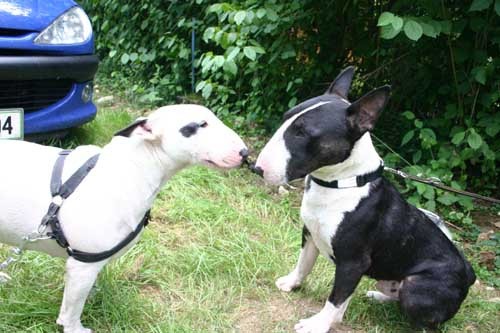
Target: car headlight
(72, 27)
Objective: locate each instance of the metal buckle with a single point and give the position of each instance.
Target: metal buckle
(57, 200)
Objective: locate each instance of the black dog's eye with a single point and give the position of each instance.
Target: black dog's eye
(203, 123)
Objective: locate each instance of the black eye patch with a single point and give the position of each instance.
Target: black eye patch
(189, 129)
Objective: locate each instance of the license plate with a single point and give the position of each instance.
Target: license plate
(12, 124)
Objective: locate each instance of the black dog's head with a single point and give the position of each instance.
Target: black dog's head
(320, 131)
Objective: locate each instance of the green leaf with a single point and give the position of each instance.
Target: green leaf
(474, 139)
(397, 23)
(261, 12)
(272, 15)
(230, 67)
(413, 30)
(458, 138)
(492, 128)
(249, 52)
(388, 32)
(418, 123)
(385, 19)
(206, 91)
(200, 85)
(408, 136)
(408, 115)
(133, 56)
(219, 60)
(234, 52)
(239, 17)
(112, 53)
(208, 34)
(417, 156)
(428, 30)
(480, 74)
(125, 58)
(497, 7)
(447, 199)
(478, 5)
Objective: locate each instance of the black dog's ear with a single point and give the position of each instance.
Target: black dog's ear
(363, 113)
(340, 86)
(127, 131)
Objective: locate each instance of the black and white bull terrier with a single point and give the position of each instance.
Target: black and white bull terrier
(363, 225)
(115, 195)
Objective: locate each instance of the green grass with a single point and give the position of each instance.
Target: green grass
(206, 263)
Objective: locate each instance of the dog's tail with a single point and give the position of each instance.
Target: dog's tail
(438, 221)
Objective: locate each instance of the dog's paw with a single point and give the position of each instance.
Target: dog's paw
(288, 283)
(75, 328)
(378, 296)
(318, 323)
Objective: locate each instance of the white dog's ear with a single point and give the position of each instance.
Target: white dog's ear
(140, 127)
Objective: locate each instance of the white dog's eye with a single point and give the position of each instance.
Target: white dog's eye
(203, 123)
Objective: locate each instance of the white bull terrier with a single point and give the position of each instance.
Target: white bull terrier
(111, 201)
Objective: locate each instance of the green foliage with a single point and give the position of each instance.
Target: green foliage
(255, 59)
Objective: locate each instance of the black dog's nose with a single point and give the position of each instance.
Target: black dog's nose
(244, 153)
(257, 170)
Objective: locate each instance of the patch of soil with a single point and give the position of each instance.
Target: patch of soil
(486, 220)
(278, 314)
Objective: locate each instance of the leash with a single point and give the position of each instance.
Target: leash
(438, 184)
(432, 181)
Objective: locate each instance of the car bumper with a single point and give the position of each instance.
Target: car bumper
(79, 68)
(49, 89)
(66, 113)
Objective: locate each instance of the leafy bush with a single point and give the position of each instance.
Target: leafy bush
(255, 59)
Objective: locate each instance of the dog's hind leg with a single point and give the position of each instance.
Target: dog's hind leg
(429, 301)
(80, 278)
(307, 258)
(387, 291)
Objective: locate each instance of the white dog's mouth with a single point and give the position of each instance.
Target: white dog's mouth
(223, 165)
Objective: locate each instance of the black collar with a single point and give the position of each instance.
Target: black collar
(357, 181)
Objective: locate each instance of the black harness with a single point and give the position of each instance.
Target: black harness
(60, 192)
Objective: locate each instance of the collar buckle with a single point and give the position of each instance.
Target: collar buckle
(347, 182)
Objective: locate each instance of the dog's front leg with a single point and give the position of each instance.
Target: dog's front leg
(80, 278)
(347, 277)
(307, 258)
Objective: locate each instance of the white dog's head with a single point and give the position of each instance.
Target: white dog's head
(190, 134)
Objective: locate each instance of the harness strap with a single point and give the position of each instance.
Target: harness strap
(95, 257)
(55, 181)
(60, 192)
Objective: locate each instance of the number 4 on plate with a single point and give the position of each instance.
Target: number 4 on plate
(11, 124)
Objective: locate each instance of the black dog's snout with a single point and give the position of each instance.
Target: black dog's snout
(244, 153)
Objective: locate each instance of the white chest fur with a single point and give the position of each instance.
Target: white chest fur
(323, 210)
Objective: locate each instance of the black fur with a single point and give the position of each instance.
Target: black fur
(384, 237)
(319, 137)
(127, 131)
(388, 239)
(189, 129)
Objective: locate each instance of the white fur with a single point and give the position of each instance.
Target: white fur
(323, 320)
(113, 198)
(307, 258)
(322, 211)
(274, 157)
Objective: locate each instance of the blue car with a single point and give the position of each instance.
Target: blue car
(47, 64)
